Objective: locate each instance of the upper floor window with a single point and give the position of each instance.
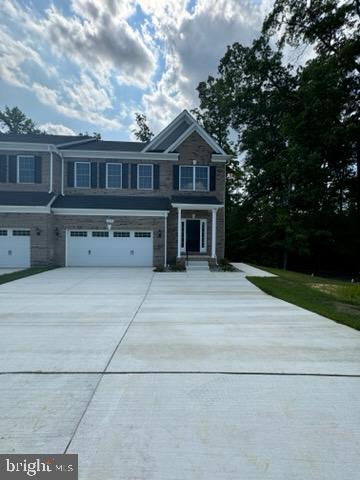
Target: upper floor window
(113, 175)
(26, 169)
(145, 178)
(195, 178)
(82, 174)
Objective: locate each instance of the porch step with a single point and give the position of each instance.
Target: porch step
(197, 266)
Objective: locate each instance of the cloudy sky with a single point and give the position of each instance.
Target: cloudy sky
(88, 65)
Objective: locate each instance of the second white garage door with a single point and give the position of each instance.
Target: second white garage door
(94, 248)
(14, 248)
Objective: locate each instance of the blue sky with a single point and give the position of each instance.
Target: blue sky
(89, 65)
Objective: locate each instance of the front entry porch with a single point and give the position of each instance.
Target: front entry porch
(196, 229)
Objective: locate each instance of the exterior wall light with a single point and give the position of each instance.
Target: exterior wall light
(38, 231)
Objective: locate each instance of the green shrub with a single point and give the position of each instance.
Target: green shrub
(177, 267)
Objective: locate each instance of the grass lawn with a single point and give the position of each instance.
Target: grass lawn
(334, 299)
(10, 277)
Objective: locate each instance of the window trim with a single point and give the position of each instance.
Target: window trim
(18, 169)
(75, 174)
(194, 189)
(106, 175)
(203, 238)
(152, 175)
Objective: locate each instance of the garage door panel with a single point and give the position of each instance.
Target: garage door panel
(14, 248)
(109, 249)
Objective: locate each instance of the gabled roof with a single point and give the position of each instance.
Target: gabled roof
(178, 130)
(42, 138)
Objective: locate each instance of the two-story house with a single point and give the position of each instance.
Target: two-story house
(79, 201)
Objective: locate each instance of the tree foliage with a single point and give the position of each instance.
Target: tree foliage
(13, 120)
(296, 131)
(142, 132)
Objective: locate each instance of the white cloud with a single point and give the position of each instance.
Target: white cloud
(83, 55)
(56, 129)
(193, 45)
(99, 41)
(14, 54)
(87, 95)
(52, 98)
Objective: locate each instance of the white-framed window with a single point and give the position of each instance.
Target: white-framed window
(142, 235)
(121, 234)
(145, 177)
(183, 236)
(82, 174)
(186, 178)
(21, 233)
(25, 169)
(203, 235)
(194, 178)
(113, 175)
(78, 233)
(100, 234)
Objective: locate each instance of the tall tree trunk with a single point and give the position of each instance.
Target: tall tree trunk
(358, 179)
(285, 259)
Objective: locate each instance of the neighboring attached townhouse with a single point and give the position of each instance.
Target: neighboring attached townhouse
(79, 201)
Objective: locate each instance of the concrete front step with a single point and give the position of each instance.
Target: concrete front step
(197, 265)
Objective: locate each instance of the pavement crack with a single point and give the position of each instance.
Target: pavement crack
(103, 372)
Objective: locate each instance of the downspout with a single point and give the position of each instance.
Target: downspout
(51, 170)
(62, 175)
(165, 240)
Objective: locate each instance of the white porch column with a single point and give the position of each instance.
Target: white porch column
(213, 233)
(165, 240)
(179, 233)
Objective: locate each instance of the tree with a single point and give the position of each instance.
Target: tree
(13, 120)
(143, 132)
(96, 135)
(297, 134)
(333, 29)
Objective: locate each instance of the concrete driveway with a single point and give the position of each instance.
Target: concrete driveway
(176, 376)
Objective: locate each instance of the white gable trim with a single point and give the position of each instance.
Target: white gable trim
(164, 133)
(194, 126)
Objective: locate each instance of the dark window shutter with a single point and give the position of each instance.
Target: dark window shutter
(176, 177)
(38, 169)
(125, 175)
(134, 175)
(102, 174)
(93, 182)
(12, 169)
(3, 168)
(212, 178)
(70, 173)
(156, 177)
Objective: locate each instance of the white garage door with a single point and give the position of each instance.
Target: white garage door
(95, 248)
(14, 248)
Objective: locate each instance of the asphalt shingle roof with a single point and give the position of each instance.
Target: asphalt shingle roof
(41, 138)
(107, 145)
(112, 202)
(26, 199)
(192, 199)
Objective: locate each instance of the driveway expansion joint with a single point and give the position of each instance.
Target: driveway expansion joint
(107, 364)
